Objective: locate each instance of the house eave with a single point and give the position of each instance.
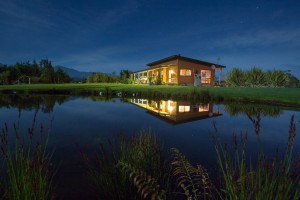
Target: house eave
(183, 58)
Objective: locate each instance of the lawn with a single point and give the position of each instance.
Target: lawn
(285, 96)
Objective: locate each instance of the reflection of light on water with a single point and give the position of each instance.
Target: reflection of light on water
(170, 107)
(184, 108)
(203, 107)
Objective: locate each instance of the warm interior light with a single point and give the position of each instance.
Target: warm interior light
(170, 107)
(184, 108)
(203, 107)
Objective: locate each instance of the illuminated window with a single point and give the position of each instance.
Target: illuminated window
(184, 108)
(203, 107)
(205, 76)
(185, 72)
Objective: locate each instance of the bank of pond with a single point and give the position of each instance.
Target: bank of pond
(262, 95)
(96, 147)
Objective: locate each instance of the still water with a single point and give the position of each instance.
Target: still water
(75, 124)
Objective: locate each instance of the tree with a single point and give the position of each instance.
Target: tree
(4, 78)
(125, 76)
(48, 73)
(101, 78)
(61, 76)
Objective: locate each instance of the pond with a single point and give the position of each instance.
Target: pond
(77, 123)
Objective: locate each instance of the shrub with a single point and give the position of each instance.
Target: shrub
(255, 77)
(235, 77)
(277, 78)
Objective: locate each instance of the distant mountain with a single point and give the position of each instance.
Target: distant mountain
(74, 74)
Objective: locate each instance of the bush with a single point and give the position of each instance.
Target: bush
(235, 77)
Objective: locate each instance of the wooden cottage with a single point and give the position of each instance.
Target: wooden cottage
(179, 70)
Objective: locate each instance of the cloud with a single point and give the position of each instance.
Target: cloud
(56, 17)
(99, 59)
(24, 17)
(261, 38)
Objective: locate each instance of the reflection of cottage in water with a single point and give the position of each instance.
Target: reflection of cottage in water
(177, 111)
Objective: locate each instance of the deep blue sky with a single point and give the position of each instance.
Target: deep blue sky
(106, 36)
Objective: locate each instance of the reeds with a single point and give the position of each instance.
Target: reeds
(277, 178)
(193, 181)
(26, 164)
(135, 168)
(117, 166)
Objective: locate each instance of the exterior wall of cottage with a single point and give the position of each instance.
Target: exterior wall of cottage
(177, 71)
(195, 69)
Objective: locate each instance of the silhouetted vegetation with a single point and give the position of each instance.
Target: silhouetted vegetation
(137, 162)
(255, 77)
(112, 169)
(26, 173)
(124, 78)
(27, 72)
(277, 178)
(101, 78)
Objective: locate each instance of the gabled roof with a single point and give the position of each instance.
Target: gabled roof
(182, 58)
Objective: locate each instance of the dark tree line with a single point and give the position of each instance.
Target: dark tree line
(32, 72)
(124, 77)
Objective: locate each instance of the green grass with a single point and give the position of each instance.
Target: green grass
(284, 96)
(26, 164)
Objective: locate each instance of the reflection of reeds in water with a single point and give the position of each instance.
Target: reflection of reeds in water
(252, 109)
(253, 112)
(27, 165)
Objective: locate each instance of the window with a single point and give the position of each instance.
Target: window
(203, 107)
(184, 108)
(205, 76)
(185, 72)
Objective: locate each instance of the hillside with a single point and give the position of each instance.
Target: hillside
(74, 74)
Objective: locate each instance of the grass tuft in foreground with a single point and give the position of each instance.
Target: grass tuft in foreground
(26, 164)
(122, 169)
(275, 179)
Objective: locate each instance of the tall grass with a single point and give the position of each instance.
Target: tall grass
(26, 163)
(141, 156)
(277, 178)
(136, 169)
(194, 182)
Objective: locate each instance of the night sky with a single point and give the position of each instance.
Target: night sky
(107, 36)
